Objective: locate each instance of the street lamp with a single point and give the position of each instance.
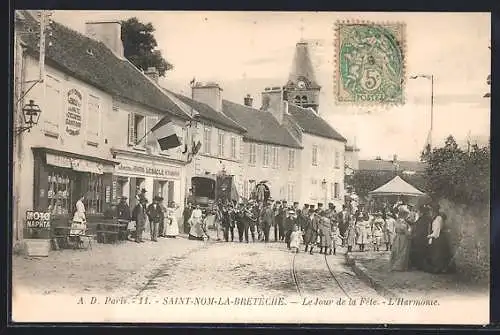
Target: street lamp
(431, 78)
(31, 115)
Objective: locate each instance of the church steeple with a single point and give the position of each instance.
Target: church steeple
(302, 67)
(302, 88)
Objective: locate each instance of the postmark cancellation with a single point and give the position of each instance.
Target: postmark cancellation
(370, 62)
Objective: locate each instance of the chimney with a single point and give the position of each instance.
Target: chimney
(208, 93)
(272, 101)
(248, 100)
(152, 72)
(107, 32)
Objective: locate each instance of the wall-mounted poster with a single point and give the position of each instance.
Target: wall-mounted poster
(74, 112)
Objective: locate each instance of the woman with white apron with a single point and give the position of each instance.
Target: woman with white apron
(171, 225)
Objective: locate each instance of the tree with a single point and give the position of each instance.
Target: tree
(139, 46)
(462, 176)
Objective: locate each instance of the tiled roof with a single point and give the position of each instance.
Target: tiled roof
(208, 113)
(94, 63)
(312, 123)
(386, 165)
(261, 126)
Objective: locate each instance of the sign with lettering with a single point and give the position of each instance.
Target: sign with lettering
(150, 170)
(60, 161)
(74, 112)
(36, 219)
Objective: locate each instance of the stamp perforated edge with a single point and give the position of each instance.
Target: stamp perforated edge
(336, 74)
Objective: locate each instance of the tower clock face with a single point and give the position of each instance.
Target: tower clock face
(301, 84)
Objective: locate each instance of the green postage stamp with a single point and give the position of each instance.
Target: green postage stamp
(370, 63)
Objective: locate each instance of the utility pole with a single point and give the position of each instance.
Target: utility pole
(20, 91)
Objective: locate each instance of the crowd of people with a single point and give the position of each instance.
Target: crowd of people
(161, 219)
(416, 239)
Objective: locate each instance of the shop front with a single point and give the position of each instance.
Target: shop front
(157, 178)
(61, 178)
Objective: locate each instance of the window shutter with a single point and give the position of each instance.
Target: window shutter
(150, 123)
(131, 134)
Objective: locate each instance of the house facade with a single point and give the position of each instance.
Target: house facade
(221, 137)
(96, 108)
(269, 152)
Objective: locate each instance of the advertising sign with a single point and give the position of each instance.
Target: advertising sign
(74, 112)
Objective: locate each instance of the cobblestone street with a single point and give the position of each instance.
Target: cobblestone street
(155, 279)
(180, 266)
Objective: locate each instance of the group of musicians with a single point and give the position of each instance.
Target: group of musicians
(258, 220)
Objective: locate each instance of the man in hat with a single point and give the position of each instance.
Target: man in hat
(277, 218)
(123, 215)
(267, 218)
(186, 215)
(290, 222)
(139, 215)
(343, 223)
(281, 222)
(304, 213)
(320, 208)
(155, 215)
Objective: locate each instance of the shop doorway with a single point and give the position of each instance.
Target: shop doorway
(136, 184)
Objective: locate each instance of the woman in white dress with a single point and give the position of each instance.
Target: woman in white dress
(171, 224)
(79, 224)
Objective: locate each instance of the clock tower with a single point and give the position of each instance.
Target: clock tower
(302, 88)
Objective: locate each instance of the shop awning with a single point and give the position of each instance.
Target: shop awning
(77, 162)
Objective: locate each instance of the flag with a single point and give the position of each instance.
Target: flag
(191, 83)
(165, 133)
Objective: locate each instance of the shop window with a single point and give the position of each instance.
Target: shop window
(59, 193)
(93, 189)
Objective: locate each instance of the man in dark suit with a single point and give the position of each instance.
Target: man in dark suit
(186, 215)
(155, 215)
(139, 216)
(267, 218)
(123, 215)
(290, 222)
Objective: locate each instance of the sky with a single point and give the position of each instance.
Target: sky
(247, 51)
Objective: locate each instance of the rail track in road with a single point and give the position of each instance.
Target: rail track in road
(300, 286)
